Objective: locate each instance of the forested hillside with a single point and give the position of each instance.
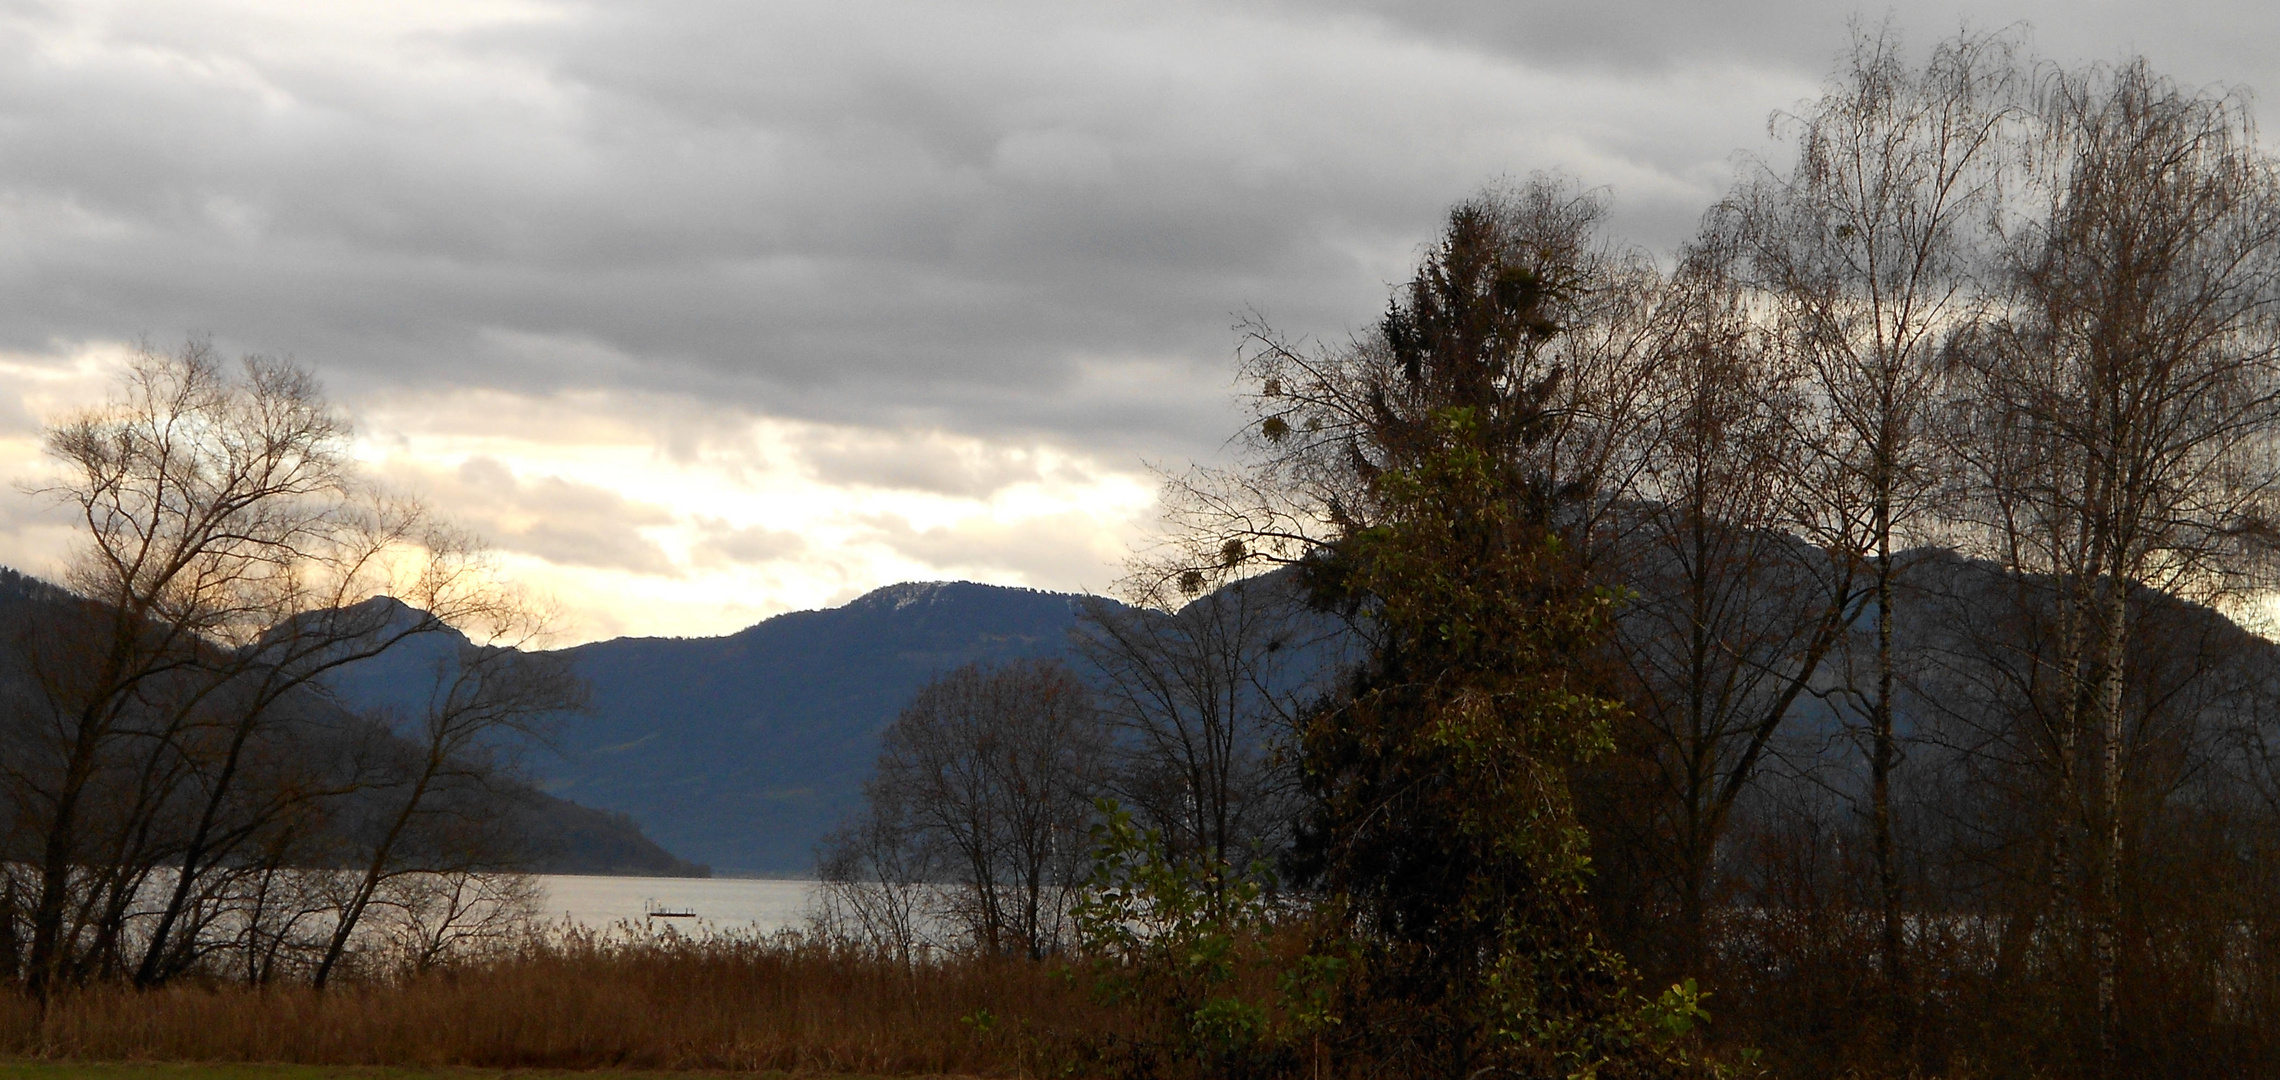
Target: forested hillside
(543, 832)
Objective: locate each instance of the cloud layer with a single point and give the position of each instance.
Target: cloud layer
(900, 259)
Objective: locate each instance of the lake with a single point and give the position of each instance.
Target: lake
(762, 904)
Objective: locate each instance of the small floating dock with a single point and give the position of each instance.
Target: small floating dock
(655, 910)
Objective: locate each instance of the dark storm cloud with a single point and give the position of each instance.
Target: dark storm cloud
(990, 219)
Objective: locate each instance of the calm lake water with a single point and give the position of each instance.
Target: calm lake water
(761, 904)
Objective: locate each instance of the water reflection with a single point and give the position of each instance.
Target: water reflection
(734, 904)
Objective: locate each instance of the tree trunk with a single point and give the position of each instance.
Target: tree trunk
(1883, 756)
(152, 970)
(2107, 840)
(44, 964)
(353, 911)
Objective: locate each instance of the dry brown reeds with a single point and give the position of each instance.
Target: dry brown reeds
(591, 1001)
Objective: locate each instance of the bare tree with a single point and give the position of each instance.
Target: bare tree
(438, 918)
(2122, 415)
(995, 768)
(1728, 618)
(1870, 248)
(166, 735)
(880, 886)
(1205, 692)
(433, 808)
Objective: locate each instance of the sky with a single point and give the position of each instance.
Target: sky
(706, 311)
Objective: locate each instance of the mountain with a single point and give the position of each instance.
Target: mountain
(567, 838)
(742, 751)
(564, 837)
(554, 834)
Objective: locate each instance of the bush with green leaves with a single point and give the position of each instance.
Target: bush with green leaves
(1187, 944)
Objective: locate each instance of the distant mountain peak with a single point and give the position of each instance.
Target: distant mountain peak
(394, 613)
(900, 595)
(927, 593)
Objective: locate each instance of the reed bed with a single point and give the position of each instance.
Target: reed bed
(589, 1001)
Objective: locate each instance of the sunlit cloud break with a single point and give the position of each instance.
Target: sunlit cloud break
(756, 515)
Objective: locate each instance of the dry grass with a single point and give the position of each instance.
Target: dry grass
(740, 1005)
(53, 1070)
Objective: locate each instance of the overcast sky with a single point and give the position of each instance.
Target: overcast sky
(702, 312)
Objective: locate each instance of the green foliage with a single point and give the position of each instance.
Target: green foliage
(1167, 937)
(1310, 992)
(980, 1021)
(1443, 810)
(1442, 827)
(1674, 1015)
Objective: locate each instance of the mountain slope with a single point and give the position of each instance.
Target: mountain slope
(742, 751)
(552, 834)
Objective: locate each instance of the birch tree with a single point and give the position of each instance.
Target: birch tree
(2122, 418)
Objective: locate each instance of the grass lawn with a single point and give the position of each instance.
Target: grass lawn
(53, 1070)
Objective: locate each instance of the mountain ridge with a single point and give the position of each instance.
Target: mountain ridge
(555, 835)
(742, 750)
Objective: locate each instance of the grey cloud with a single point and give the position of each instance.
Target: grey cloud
(822, 215)
(37, 535)
(1062, 551)
(917, 461)
(1629, 35)
(558, 520)
(891, 215)
(723, 544)
(2198, 41)
(15, 417)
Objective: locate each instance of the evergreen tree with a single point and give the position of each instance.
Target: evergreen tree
(1442, 824)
